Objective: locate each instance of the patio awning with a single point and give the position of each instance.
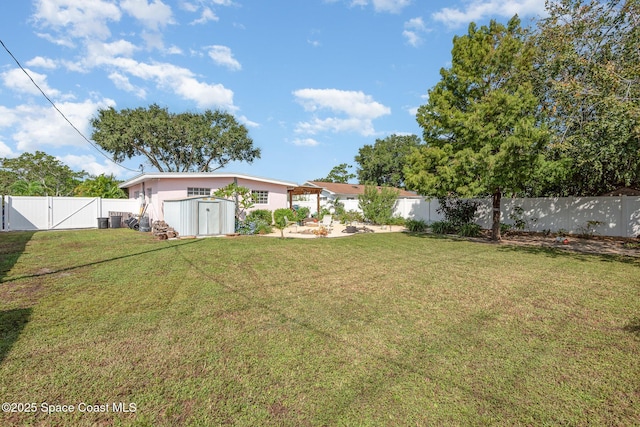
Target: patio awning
(302, 191)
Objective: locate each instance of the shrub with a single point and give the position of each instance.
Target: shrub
(264, 215)
(254, 226)
(377, 205)
(397, 220)
(457, 211)
(505, 228)
(470, 230)
(263, 228)
(351, 216)
(279, 220)
(416, 225)
(302, 213)
(443, 227)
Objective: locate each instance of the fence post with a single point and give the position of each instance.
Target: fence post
(625, 217)
(49, 207)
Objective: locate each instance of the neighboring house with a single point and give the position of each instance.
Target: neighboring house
(152, 189)
(409, 205)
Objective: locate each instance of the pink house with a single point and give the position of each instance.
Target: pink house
(153, 189)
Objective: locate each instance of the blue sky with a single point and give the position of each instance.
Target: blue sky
(313, 80)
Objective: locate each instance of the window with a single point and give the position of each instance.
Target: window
(136, 194)
(195, 191)
(261, 197)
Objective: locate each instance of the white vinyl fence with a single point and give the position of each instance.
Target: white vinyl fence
(57, 213)
(605, 216)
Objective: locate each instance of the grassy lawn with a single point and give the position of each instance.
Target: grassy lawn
(386, 329)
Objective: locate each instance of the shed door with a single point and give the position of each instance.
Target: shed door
(208, 218)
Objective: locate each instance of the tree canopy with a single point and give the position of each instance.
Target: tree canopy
(105, 186)
(481, 128)
(588, 81)
(339, 174)
(383, 162)
(184, 142)
(37, 174)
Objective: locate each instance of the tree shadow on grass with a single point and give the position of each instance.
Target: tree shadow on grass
(89, 264)
(633, 327)
(553, 252)
(12, 322)
(12, 246)
(569, 253)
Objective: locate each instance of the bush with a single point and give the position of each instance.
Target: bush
(351, 216)
(397, 220)
(302, 213)
(470, 230)
(264, 215)
(377, 206)
(254, 226)
(505, 228)
(416, 225)
(279, 220)
(443, 227)
(457, 211)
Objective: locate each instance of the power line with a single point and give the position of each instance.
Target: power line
(61, 113)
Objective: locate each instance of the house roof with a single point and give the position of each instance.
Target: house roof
(188, 175)
(354, 189)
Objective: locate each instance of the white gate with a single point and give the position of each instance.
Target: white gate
(56, 213)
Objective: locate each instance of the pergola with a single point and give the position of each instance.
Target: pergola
(303, 191)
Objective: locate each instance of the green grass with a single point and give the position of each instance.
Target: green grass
(376, 329)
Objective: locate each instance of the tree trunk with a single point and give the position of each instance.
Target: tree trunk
(495, 229)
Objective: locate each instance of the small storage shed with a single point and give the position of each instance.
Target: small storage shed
(200, 216)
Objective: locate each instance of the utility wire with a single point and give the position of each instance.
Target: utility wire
(61, 113)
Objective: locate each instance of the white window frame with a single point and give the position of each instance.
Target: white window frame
(198, 191)
(261, 197)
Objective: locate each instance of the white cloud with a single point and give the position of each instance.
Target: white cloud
(41, 62)
(206, 16)
(306, 142)
(244, 120)
(413, 29)
(166, 76)
(88, 163)
(392, 6)
(360, 111)
(18, 81)
(477, 10)
(174, 50)
(8, 116)
(41, 126)
(122, 82)
(154, 15)
(222, 55)
(117, 48)
(6, 151)
(87, 18)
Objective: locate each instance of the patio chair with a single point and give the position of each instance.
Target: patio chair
(286, 220)
(327, 222)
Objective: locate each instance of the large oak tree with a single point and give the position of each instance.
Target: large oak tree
(184, 142)
(481, 132)
(383, 162)
(588, 70)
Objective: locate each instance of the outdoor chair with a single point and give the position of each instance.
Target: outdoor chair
(288, 223)
(327, 222)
